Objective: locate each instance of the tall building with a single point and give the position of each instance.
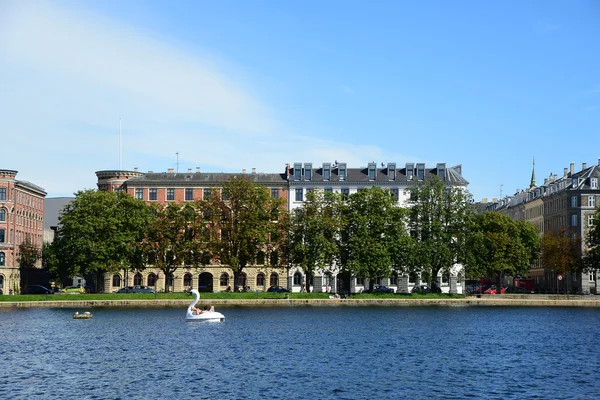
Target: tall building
(566, 202)
(21, 220)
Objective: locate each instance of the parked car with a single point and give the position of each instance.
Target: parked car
(277, 289)
(494, 290)
(379, 289)
(36, 289)
(136, 289)
(516, 290)
(421, 289)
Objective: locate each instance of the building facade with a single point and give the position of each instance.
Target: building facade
(568, 203)
(21, 220)
(338, 177)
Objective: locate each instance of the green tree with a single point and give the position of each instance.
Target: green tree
(244, 221)
(502, 246)
(98, 233)
(27, 257)
(176, 237)
(439, 218)
(313, 230)
(592, 253)
(373, 225)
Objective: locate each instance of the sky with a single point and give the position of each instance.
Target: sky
(228, 85)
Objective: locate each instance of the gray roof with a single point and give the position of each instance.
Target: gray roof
(31, 186)
(53, 207)
(203, 179)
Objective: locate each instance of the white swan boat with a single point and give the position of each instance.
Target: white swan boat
(205, 316)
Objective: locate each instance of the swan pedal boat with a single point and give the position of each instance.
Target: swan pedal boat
(205, 316)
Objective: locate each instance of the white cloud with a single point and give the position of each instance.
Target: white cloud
(69, 75)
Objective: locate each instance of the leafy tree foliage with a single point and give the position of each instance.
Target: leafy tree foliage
(244, 219)
(29, 254)
(561, 253)
(374, 236)
(439, 217)
(313, 230)
(500, 245)
(592, 254)
(175, 237)
(98, 233)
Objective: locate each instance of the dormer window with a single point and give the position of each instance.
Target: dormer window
(372, 169)
(575, 182)
(307, 172)
(594, 183)
(297, 171)
(392, 172)
(342, 172)
(441, 171)
(420, 171)
(326, 171)
(410, 172)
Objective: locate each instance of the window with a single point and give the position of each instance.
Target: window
(297, 279)
(260, 280)
(274, 279)
(2, 215)
(310, 190)
(307, 172)
(297, 171)
(152, 280)
(573, 201)
(225, 194)
(137, 279)
(573, 220)
(139, 194)
(2, 194)
(392, 172)
(206, 194)
(594, 183)
(360, 281)
(394, 279)
(326, 171)
(342, 172)
(345, 193)
(187, 280)
(591, 220)
(2, 235)
(189, 194)
(116, 281)
(299, 195)
(441, 171)
(328, 192)
(170, 194)
(575, 182)
(410, 171)
(153, 194)
(275, 193)
(224, 279)
(372, 170)
(395, 194)
(327, 278)
(420, 171)
(2, 258)
(591, 202)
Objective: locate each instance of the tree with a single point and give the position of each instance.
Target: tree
(175, 237)
(439, 217)
(592, 253)
(98, 232)
(313, 231)
(28, 256)
(243, 219)
(502, 246)
(561, 253)
(373, 233)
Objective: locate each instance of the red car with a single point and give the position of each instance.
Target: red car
(493, 290)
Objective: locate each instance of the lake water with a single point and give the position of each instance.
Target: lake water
(302, 353)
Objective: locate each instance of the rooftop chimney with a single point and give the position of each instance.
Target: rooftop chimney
(599, 161)
(170, 170)
(197, 170)
(135, 169)
(583, 166)
(243, 170)
(565, 173)
(189, 170)
(572, 168)
(545, 181)
(253, 170)
(484, 200)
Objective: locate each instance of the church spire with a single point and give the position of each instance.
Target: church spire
(532, 184)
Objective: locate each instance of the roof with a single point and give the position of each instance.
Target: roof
(203, 179)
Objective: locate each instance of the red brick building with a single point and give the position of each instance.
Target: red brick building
(21, 219)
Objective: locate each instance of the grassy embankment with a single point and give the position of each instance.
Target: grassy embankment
(211, 296)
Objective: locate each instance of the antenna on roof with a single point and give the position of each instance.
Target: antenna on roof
(177, 162)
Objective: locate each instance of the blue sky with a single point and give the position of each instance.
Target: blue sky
(232, 85)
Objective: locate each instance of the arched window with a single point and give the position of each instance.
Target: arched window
(1, 283)
(137, 279)
(224, 279)
(445, 278)
(151, 280)
(260, 279)
(394, 278)
(187, 280)
(3, 215)
(274, 280)
(242, 280)
(297, 278)
(116, 281)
